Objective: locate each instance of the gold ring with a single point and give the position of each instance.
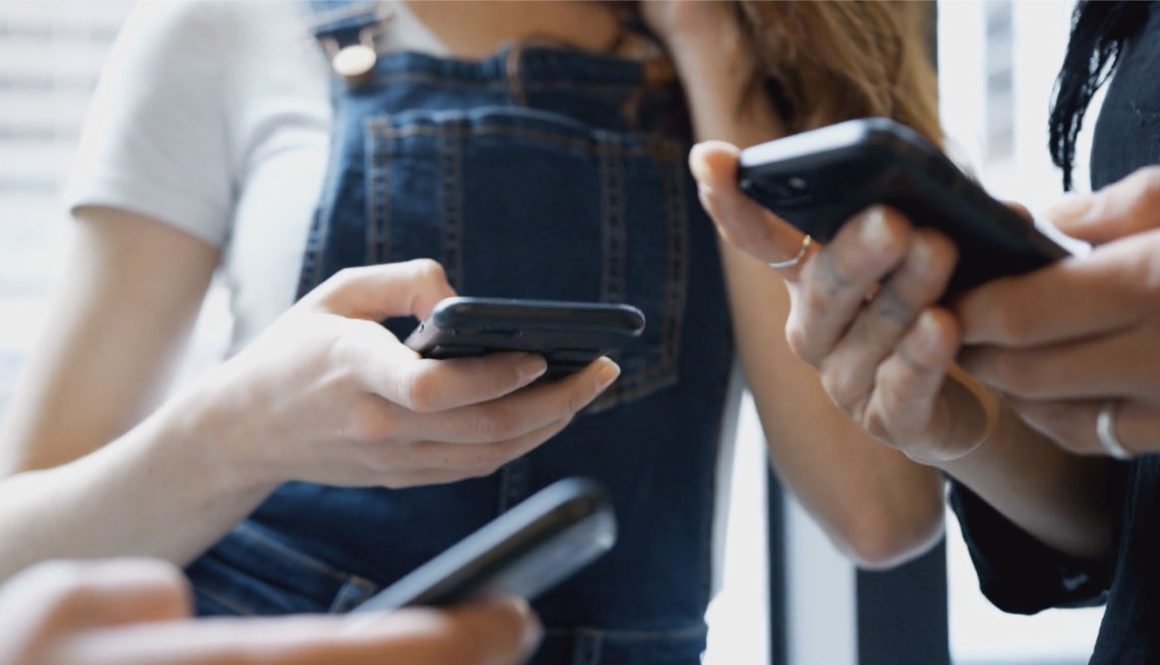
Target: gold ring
(801, 254)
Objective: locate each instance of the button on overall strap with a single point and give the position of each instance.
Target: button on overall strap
(349, 30)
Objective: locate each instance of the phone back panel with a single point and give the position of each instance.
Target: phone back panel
(819, 179)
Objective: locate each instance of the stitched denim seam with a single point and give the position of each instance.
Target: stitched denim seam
(678, 260)
(377, 195)
(612, 287)
(643, 382)
(311, 273)
(515, 488)
(227, 603)
(587, 648)
(255, 537)
(451, 191)
(659, 148)
(668, 152)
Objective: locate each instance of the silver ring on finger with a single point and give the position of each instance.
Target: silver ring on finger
(797, 258)
(1106, 431)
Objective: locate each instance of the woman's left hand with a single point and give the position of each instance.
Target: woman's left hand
(1082, 337)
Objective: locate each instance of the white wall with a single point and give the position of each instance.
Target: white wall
(979, 633)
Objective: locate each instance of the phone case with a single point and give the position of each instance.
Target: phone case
(523, 553)
(818, 179)
(568, 334)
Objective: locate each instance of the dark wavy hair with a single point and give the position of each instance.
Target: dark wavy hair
(1099, 30)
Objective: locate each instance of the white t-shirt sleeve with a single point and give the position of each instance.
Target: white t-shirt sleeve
(157, 138)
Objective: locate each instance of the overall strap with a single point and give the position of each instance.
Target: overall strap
(348, 30)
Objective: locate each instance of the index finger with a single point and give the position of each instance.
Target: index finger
(1074, 298)
(740, 219)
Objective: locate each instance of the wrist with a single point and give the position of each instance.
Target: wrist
(206, 428)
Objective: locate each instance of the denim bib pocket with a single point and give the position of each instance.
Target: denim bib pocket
(497, 193)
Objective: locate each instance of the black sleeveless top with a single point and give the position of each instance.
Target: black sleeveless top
(1020, 574)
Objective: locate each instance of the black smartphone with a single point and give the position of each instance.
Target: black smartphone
(568, 334)
(817, 179)
(523, 553)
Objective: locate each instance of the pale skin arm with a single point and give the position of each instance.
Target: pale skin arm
(325, 395)
(120, 319)
(878, 506)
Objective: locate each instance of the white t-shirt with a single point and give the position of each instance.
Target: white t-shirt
(213, 116)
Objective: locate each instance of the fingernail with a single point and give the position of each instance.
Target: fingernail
(697, 164)
(1070, 211)
(928, 332)
(533, 630)
(532, 367)
(607, 373)
(921, 254)
(875, 232)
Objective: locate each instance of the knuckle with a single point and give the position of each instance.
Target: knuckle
(798, 340)
(428, 270)
(1013, 324)
(1149, 273)
(420, 390)
(347, 344)
(344, 278)
(381, 460)
(1013, 376)
(1149, 179)
(370, 421)
(493, 424)
(840, 386)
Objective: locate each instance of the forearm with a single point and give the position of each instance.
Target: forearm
(1059, 498)
(156, 491)
(873, 502)
(717, 77)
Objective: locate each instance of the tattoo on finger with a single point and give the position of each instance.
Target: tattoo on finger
(889, 305)
(833, 281)
(914, 365)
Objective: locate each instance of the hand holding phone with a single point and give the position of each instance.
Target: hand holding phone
(569, 335)
(818, 180)
(523, 552)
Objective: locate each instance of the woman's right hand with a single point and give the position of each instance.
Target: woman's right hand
(329, 395)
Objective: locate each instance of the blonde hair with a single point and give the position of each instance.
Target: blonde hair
(824, 62)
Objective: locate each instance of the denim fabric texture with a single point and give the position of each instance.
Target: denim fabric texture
(533, 173)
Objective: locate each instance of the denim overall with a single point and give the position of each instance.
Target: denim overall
(534, 173)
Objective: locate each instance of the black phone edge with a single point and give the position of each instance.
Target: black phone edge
(552, 512)
(467, 313)
(915, 160)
